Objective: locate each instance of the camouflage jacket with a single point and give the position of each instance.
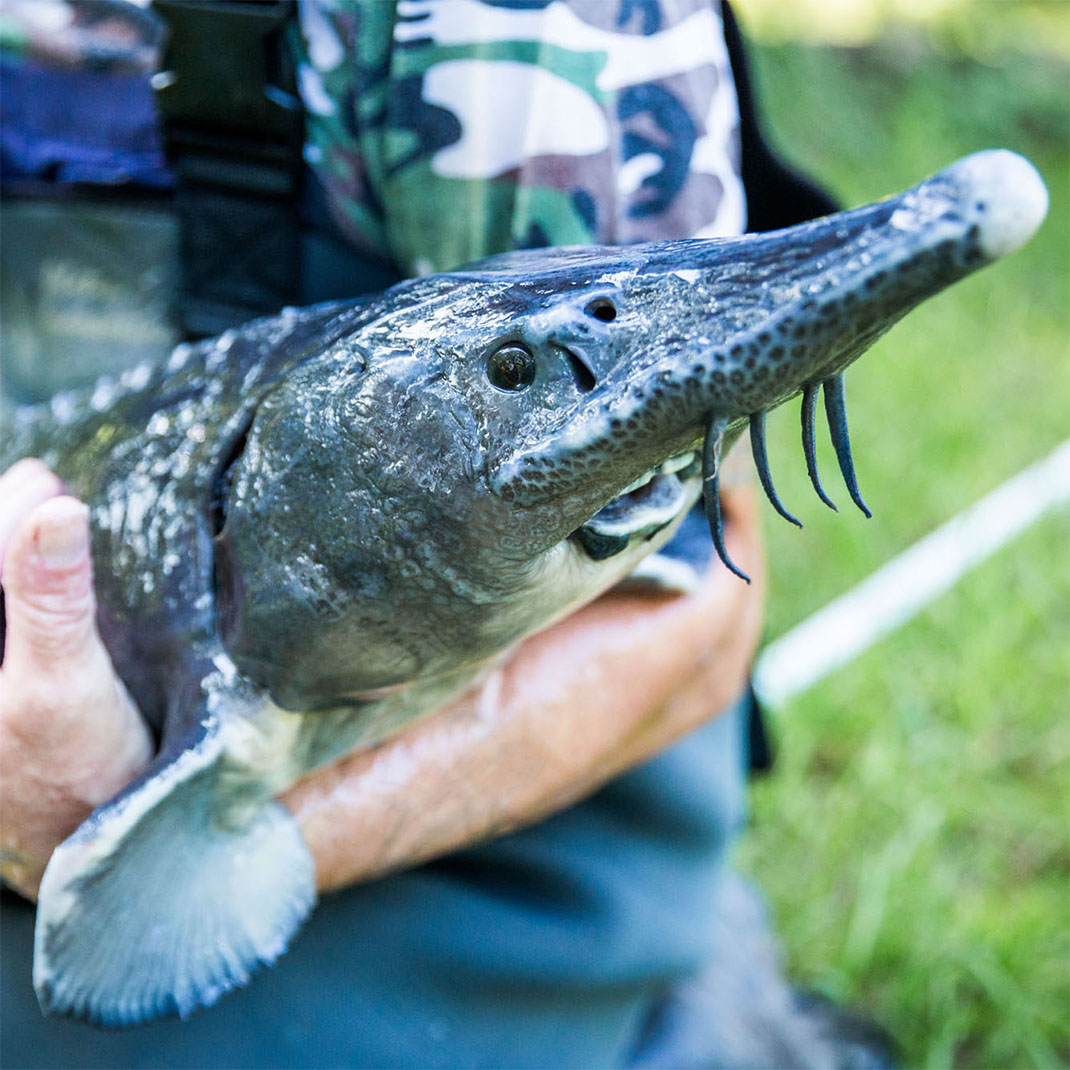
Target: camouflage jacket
(444, 130)
(447, 130)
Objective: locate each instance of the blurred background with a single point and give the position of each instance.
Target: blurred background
(913, 839)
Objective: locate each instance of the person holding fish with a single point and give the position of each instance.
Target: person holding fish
(537, 873)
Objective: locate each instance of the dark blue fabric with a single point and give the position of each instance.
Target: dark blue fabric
(692, 543)
(544, 948)
(68, 125)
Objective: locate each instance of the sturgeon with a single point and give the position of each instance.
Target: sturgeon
(311, 531)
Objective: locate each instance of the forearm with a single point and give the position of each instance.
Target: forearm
(598, 693)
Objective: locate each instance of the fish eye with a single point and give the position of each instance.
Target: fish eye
(512, 367)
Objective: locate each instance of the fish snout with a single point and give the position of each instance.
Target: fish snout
(1006, 196)
(977, 210)
(727, 330)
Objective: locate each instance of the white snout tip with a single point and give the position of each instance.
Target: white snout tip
(1009, 198)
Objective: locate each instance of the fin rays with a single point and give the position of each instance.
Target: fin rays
(214, 898)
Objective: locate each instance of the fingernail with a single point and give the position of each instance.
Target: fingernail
(63, 540)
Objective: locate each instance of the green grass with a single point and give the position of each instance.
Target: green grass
(914, 840)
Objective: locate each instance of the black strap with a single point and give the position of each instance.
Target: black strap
(777, 194)
(761, 747)
(233, 128)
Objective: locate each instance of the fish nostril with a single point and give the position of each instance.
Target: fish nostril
(602, 309)
(584, 377)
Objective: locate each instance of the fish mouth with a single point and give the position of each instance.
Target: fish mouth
(646, 506)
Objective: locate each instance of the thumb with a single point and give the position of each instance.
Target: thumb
(48, 588)
(70, 736)
(60, 692)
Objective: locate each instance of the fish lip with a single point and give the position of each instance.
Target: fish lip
(646, 507)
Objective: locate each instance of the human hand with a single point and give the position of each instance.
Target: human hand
(70, 736)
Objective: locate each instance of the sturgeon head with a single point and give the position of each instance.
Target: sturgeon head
(497, 444)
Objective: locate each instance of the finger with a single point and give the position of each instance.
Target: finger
(49, 591)
(60, 691)
(24, 485)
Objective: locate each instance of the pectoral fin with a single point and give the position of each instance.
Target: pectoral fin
(169, 895)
